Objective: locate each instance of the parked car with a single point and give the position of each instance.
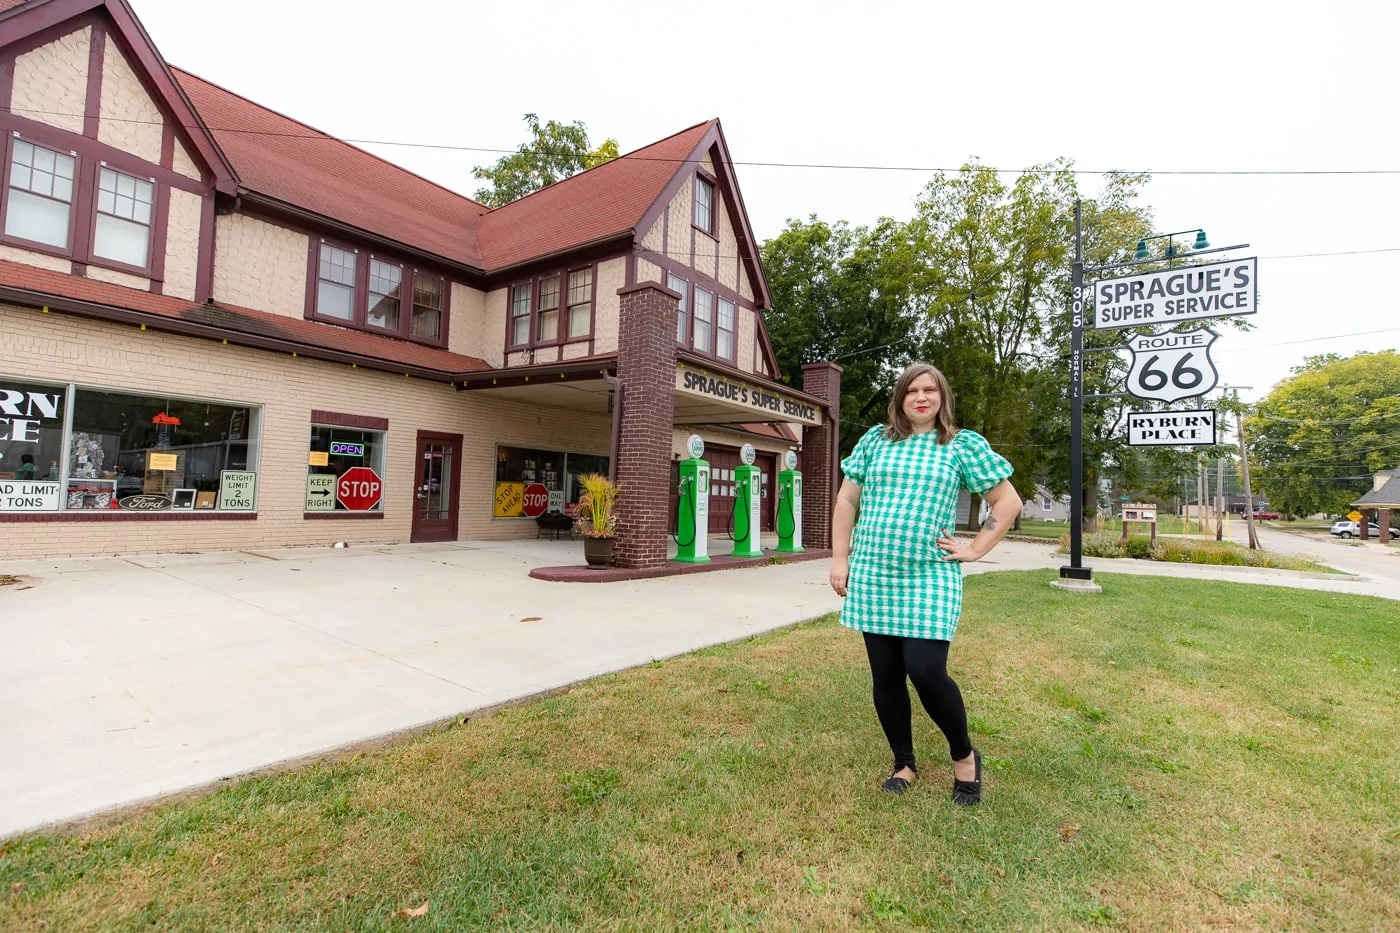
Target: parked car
(1267, 516)
(1349, 529)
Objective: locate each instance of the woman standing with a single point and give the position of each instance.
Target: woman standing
(900, 571)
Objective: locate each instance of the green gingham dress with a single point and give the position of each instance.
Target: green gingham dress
(899, 583)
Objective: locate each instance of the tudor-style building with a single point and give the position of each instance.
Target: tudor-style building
(211, 315)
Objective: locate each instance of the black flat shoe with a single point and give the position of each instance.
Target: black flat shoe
(897, 785)
(968, 793)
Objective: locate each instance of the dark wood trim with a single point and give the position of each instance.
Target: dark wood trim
(541, 374)
(360, 308)
(87, 229)
(97, 53)
(117, 515)
(45, 23)
(337, 419)
(167, 147)
(204, 268)
(7, 82)
(679, 268)
(344, 514)
(89, 149)
(160, 231)
(739, 218)
(598, 250)
(561, 338)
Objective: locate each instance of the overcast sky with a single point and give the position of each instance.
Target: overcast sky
(1209, 86)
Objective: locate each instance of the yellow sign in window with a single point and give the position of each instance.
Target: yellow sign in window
(157, 461)
(510, 500)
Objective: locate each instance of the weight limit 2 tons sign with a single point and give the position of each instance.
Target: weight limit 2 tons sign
(1170, 367)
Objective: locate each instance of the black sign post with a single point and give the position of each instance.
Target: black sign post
(1075, 569)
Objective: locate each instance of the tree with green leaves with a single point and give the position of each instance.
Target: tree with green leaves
(1317, 438)
(553, 152)
(843, 293)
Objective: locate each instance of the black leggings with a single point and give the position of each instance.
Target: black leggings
(925, 662)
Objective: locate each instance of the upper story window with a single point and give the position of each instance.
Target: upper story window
(677, 284)
(551, 309)
(726, 329)
(580, 303)
(40, 205)
(704, 321)
(367, 291)
(704, 204)
(122, 232)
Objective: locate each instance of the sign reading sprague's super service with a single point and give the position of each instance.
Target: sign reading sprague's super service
(1191, 293)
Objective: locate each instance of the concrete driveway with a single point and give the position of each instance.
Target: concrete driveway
(124, 679)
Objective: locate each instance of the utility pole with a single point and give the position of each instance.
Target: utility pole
(1244, 468)
(1219, 498)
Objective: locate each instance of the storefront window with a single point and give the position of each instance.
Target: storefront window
(150, 453)
(334, 453)
(518, 468)
(31, 445)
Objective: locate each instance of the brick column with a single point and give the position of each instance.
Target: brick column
(646, 369)
(1384, 524)
(820, 449)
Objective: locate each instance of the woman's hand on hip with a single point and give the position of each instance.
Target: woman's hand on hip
(959, 549)
(840, 571)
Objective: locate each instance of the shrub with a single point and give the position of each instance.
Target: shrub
(1098, 544)
(1188, 551)
(1141, 548)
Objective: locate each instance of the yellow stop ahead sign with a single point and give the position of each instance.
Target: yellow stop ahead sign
(1354, 515)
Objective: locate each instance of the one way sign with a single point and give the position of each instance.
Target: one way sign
(320, 492)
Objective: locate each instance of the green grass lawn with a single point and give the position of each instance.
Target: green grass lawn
(1171, 755)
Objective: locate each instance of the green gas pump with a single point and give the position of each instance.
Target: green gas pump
(748, 488)
(790, 506)
(693, 505)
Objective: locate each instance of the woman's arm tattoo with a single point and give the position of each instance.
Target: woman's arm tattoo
(991, 523)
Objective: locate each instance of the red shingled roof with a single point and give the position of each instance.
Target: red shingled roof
(593, 205)
(279, 157)
(229, 318)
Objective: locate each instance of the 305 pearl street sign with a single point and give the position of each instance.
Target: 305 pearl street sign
(1171, 296)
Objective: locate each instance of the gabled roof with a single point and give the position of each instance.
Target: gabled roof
(34, 286)
(605, 201)
(1388, 496)
(291, 162)
(29, 18)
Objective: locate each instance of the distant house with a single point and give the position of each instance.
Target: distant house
(1046, 506)
(1384, 497)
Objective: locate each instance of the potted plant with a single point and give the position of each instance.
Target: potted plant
(597, 518)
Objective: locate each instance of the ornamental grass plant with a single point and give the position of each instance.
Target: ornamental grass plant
(597, 507)
(1189, 551)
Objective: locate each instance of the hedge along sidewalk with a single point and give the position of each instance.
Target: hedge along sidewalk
(737, 786)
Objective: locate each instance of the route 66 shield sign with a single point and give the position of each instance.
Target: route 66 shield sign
(1170, 367)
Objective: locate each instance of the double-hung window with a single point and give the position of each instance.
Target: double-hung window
(725, 348)
(704, 321)
(549, 310)
(122, 232)
(428, 301)
(520, 315)
(677, 284)
(385, 287)
(580, 303)
(335, 284)
(40, 205)
(704, 204)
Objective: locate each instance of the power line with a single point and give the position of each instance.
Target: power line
(1315, 422)
(325, 137)
(1289, 343)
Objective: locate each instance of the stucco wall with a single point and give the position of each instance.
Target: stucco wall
(182, 163)
(612, 275)
(51, 81)
(129, 118)
(655, 236)
(648, 271)
(114, 277)
(678, 217)
(745, 338)
(574, 351)
(59, 347)
(728, 249)
(182, 243)
(31, 258)
(466, 323)
(491, 326)
(260, 265)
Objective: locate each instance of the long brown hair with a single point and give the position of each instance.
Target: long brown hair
(899, 427)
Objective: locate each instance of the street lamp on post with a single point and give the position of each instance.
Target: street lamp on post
(1172, 251)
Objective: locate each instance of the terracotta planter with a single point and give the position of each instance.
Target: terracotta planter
(598, 552)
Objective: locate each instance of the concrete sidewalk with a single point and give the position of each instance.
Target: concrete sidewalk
(125, 679)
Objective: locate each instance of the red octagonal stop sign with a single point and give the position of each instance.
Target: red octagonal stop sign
(536, 500)
(359, 489)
